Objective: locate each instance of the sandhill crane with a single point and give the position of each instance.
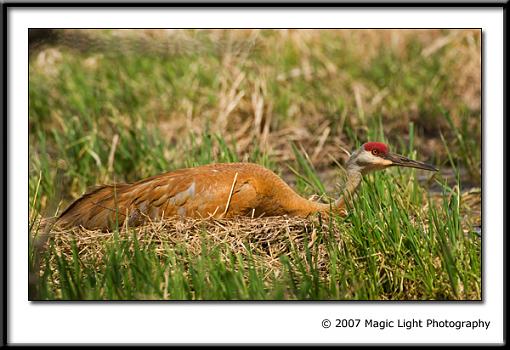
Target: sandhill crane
(221, 190)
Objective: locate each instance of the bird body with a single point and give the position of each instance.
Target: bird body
(222, 190)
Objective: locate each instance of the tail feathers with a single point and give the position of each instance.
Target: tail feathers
(100, 208)
(44, 225)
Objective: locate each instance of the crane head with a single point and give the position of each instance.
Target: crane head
(376, 156)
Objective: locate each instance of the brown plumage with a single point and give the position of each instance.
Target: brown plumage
(216, 190)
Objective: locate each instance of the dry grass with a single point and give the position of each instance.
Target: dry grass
(265, 239)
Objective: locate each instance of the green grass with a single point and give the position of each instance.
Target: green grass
(392, 247)
(236, 99)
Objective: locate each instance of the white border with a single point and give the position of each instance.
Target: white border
(243, 322)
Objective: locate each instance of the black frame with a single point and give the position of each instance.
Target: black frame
(226, 4)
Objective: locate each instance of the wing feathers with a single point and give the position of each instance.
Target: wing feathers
(99, 208)
(199, 192)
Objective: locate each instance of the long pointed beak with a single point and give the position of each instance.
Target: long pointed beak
(399, 160)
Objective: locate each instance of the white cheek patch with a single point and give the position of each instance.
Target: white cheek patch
(386, 162)
(367, 163)
(378, 161)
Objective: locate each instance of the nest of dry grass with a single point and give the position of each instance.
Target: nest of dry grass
(263, 239)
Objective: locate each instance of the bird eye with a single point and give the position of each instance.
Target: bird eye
(375, 152)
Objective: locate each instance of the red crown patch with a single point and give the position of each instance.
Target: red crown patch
(381, 147)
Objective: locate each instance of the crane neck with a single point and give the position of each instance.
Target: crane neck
(353, 180)
(303, 207)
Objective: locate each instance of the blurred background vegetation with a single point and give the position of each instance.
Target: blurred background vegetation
(124, 104)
